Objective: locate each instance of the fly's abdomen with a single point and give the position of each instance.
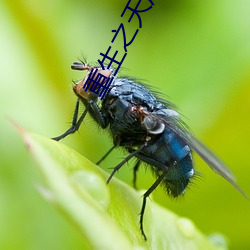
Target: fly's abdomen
(170, 155)
(178, 176)
(180, 166)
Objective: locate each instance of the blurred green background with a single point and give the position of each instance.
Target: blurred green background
(196, 52)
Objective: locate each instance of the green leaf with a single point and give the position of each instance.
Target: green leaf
(106, 215)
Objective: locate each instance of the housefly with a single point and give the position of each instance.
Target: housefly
(149, 128)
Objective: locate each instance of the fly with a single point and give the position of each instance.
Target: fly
(149, 128)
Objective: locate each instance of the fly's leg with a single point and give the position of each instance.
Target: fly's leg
(135, 169)
(105, 155)
(125, 160)
(95, 112)
(145, 196)
(75, 124)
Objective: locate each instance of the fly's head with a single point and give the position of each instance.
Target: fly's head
(79, 88)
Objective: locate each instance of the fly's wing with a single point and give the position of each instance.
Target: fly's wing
(212, 160)
(175, 124)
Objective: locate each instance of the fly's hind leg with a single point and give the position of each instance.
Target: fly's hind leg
(145, 196)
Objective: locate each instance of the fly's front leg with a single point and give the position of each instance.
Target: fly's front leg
(75, 124)
(95, 112)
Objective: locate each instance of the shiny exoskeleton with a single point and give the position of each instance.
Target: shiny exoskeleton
(149, 128)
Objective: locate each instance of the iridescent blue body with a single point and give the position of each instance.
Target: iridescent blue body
(149, 128)
(126, 106)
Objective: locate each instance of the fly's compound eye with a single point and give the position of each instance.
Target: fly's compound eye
(152, 125)
(89, 86)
